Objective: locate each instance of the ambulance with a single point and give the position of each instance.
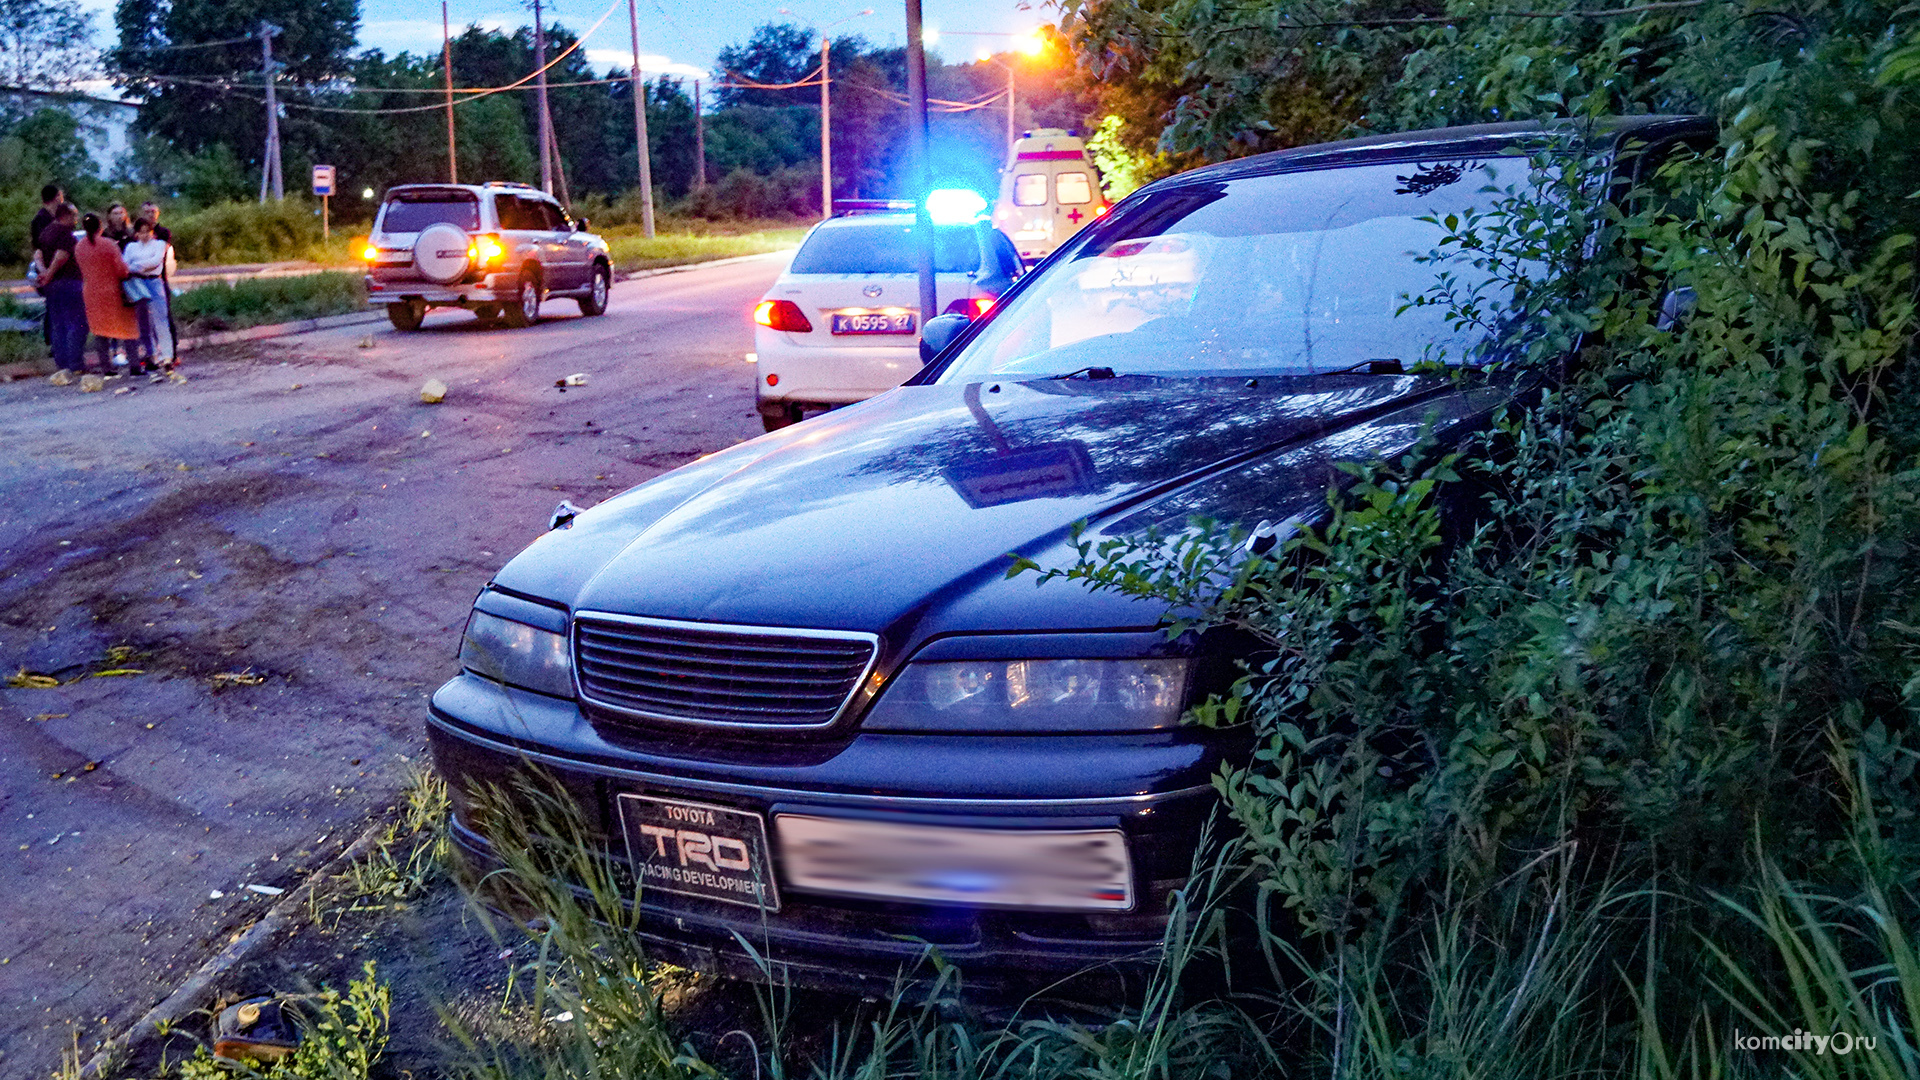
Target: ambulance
(1048, 190)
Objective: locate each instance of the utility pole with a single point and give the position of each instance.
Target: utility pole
(917, 139)
(826, 137)
(640, 126)
(270, 163)
(1009, 108)
(446, 60)
(699, 139)
(546, 118)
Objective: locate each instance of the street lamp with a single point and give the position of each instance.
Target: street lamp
(1030, 44)
(826, 137)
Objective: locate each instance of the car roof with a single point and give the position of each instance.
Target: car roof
(469, 189)
(1480, 140)
(844, 221)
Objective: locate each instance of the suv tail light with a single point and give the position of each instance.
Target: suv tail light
(974, 307)
(782, 315)
(485, 250)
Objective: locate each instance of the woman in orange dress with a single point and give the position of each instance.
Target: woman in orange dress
(102, 269)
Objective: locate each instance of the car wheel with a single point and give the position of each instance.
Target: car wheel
(595, 302)
(525, 309)
(773, 417)
(407, 314)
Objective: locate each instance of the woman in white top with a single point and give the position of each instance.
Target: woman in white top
(147, 258)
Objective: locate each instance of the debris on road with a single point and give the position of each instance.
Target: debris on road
(367, 342)
(424, 434)
(264, 890)
(222, 680)
(123, 389)
(578, 378)
(31, 680)
(92, 384)
(295, 386)
(63, 377)
(215, 895)
(176, 377)
(434, 392)
(255, 1030)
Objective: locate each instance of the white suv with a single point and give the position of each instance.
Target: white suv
(497, 249)
(842, 323)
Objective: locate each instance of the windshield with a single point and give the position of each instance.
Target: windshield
(1297, 273)
(406, 215)
(883, 247)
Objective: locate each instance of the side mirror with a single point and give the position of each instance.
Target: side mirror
(582, 225)
(939, 333)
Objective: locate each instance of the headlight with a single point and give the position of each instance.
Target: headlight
(517, 654)
(1033, 696)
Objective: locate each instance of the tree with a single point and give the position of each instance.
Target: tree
(44, 43)
(776, 54)
(195, 66)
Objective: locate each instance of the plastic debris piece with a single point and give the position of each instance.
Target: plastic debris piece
(63, 377)
(433, 392)
(424, 434)
(578, 378)
(176, 377)
(559, 1018)
(92, 384)
(254, 1030)
(123, 390)
(266, 890)
(215, 894)
(367, 342)
(295, 386)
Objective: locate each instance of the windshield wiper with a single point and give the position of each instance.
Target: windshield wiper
(1087, 373)
(1389, 366)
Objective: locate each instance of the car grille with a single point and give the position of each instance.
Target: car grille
(708, 673)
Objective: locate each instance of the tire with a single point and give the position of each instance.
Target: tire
(525, 309)
(774, 416)
(598, 291)
(407, 314)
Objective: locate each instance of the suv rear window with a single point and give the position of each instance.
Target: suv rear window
(411, 213)
(883, 248)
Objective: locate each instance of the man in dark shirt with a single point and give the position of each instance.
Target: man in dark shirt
(66, 303)
(50, 199)
(151, 211)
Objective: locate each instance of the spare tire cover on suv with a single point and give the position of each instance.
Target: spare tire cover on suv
(440, 253)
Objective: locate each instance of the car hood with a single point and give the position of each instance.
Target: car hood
(905, 509)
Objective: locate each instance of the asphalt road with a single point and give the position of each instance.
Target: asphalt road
(292, 512)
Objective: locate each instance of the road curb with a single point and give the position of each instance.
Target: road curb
(634, 275)
(193, 993)
(274, 330)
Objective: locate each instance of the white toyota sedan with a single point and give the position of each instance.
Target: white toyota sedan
(843, 322)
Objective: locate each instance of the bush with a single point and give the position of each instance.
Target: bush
(263, 301)
(741, 195)
(242, 232)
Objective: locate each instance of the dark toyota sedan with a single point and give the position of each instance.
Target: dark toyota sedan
(791, 684)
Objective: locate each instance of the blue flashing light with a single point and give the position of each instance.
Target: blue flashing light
(955, 206)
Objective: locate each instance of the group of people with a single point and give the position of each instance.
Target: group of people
(106, 277)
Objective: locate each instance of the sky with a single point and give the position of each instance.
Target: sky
(681, 37)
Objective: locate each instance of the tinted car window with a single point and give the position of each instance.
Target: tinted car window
(1300, 272)
(412, 213)
(1030, 189)
(517, 213)
(554, 217)
(883, 247)
(1072, 188)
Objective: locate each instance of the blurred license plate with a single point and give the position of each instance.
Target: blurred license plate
(1083, 870)
(699, 850)
(866, 322)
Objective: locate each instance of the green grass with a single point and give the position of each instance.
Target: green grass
(264, 301)
(631, 251)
